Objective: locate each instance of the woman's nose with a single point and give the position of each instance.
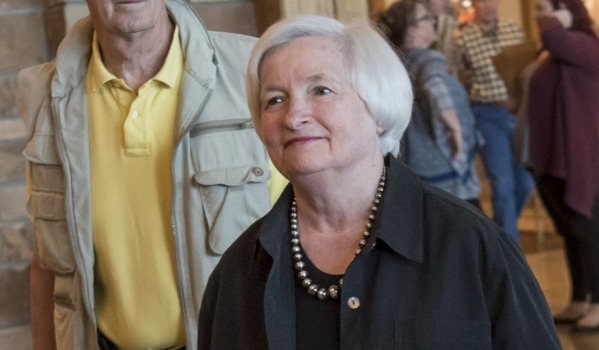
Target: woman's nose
(297, 114)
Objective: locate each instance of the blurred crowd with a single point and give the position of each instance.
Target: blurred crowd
(529, 110)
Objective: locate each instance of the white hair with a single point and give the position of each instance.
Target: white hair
(375, 71)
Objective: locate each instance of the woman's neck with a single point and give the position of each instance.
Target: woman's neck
(331, 200)
(332, 220)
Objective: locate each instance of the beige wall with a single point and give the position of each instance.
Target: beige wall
(511, 9)
(593, 6)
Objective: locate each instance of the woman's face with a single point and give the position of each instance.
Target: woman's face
(312, 119)
(423, 27)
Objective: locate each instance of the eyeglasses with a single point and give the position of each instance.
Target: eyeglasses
(427, 17)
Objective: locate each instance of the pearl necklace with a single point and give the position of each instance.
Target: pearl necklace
(296, 250)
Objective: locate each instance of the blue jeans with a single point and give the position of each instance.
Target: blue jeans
(510, 183)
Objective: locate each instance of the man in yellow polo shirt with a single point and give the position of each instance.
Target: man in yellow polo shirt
(143, 168)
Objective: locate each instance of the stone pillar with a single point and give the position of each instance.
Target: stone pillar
(234, 16)
(23, 43)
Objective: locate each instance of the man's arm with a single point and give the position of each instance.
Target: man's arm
(42, 306)
(34, 89)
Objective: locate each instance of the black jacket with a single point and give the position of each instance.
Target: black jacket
(441, 276)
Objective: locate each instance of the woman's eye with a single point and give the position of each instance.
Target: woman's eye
(273, 101)
(322, 90)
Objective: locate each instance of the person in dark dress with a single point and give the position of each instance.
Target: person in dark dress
(563, 116)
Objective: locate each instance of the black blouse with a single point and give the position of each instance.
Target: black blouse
(441, 276)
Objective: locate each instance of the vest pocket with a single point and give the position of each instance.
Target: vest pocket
(229, 198)
(54, 245)
(231, 171)
(46, 204)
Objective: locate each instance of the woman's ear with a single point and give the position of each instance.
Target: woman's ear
(379, 130)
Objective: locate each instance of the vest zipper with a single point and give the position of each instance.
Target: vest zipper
(184, 290)
(220, 125)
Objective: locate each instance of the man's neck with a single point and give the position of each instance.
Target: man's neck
(137, 58)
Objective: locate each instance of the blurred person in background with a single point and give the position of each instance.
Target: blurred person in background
(440, 143)
(563, 112)
(480, 41)
(447, 28)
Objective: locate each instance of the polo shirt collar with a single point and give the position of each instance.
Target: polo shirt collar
(173, 64)
(98, 74)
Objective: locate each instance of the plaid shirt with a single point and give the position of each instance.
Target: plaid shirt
(479, 48)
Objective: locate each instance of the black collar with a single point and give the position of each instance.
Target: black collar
(399, 223)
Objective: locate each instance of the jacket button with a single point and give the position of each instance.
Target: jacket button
(257, 171)
(353, 303)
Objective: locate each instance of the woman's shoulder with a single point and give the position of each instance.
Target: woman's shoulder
(260, 241)
(437, 198)
(458, 230)
(453, 216)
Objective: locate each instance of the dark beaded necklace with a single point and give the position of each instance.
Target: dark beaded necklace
(296, 250)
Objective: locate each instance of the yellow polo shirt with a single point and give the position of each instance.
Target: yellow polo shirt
(131, 144)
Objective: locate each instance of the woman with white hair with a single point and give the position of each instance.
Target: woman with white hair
(357, 252)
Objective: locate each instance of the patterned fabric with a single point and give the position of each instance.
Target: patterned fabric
(479, 48)
(439, 97)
